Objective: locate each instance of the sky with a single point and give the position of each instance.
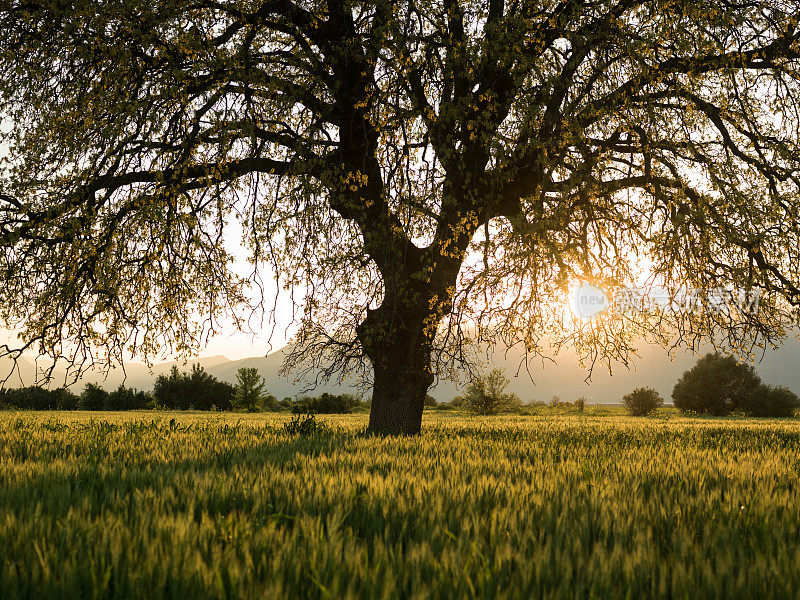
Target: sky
(265, 338)
(229, 342)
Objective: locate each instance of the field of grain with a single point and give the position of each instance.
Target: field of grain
(160, 505)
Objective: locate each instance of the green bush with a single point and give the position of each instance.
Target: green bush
(771, 401)
(716, 385)
(456, 402)
(305, 426)
(642, 401)
(487, 395)
(326, 404)
(63, 399)
(93, 397)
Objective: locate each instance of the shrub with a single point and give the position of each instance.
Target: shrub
(580, 404)
(430, 401)
(354, 402)
(457, 402)
(63, 399)
(557, 402)
(326, 404)
(716, 385)
(444, 406)
(771, 401)
(196, 390)
(487, 396)
(642, 401)
(304, 426)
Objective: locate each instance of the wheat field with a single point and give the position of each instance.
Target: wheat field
(188, 505)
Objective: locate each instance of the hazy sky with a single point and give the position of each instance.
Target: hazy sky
(229, 343)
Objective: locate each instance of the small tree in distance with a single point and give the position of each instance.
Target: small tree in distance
(487, 396)
(642, 401)
(250, 393)
(93, 397)
(457, 402)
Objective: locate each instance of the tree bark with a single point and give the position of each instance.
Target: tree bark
(397, 338)
(398, 393)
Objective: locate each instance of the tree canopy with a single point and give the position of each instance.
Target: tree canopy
(423, 176)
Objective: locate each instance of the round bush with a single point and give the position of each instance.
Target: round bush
(93, 397)
(642, 401)
(770, 401)
(716, 385)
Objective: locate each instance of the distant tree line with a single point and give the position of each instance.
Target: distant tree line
(719, 385)
(93, 397)
(328, 404)
(194, 390)
(487, 395)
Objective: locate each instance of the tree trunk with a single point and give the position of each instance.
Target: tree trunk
(398, 343)
(398, 394)
(398, 336)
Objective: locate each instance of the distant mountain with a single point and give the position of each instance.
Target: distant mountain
(25, 372)
(269, 367)
(564, 378)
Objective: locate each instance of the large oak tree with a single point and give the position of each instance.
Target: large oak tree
(424, 174)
